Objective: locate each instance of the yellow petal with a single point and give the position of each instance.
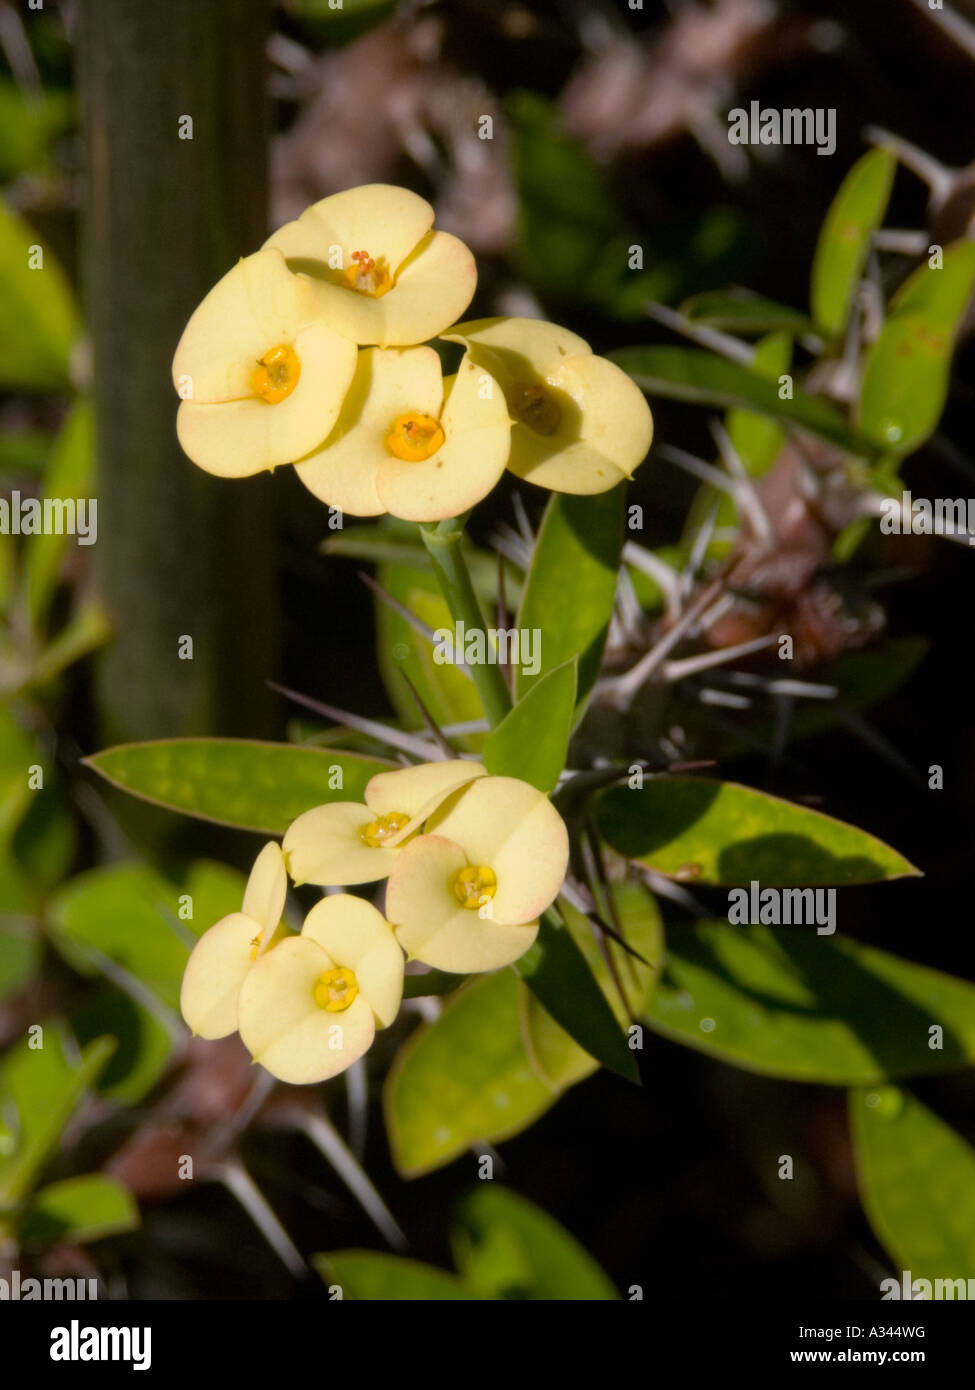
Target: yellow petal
(255, 306)
(432, 289)
(267, 888)
(215, 971)
(325, 846)
(375, 217)
(355, 935)
(605, 432)
(430, 924)
(477, 443)
(285, 1029)
(512, 828)
(416, 792)
(514, 349)
(387, 383)
(241, 437)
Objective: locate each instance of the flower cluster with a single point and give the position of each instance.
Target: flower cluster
(308, 352)
(470, 862)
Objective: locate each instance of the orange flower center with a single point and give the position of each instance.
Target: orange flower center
(474, 886)
(383, 828)
(414, 436)
(368, 276)
(336, 989)
(276, 374)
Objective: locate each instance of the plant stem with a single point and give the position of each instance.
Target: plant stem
(443, 543)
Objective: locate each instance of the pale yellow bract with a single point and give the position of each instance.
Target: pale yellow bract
(345, 843)
(311, 1007)
(238, 414)
(466, 894)
(387, 278)
(222, 958)
(580, 424)
(367, 465)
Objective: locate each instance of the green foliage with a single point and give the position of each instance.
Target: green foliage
(689, 374)
(917, 1184)
(841, 252)
(533, 740)
(30, 127)
(906, 371)
(504, 1248)
(80, 1210)
(465, 1078)
(571, 585)
(729, 311)
(38, 318)
(40, 1087)
(788, 1003)
(508, 1248)
(68, 475)
(238, 782)
(718, 832)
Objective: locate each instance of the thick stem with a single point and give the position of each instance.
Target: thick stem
(443, 543)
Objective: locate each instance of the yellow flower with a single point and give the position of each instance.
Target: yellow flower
(310, 1008)
(387, 278)
(223, 956)
(581, 425)
(466, 894)
(261, 375)
(345, 843)
(410, 442)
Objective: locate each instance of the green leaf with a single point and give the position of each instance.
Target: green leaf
(532, 742)
(698, 829)
(66, 478)
(38, 318)
(464, 1078)
(447, 692)
(17, 753)
(365, 1277)
(738, 311)
(757, 440)
(787, 1003)
(556, 971)
(906, 371)
(508, 1248)
(30, 125)
(432, 982)
(20, 953)
(144, 1045)
(844, 240)
(80, 1210)
(215, 891)
(120, 912)
(569, 592)
(690, 374)
(39, 1090)
(237, 782)
(917, 1183)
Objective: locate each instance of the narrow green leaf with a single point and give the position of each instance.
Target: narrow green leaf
(788, 1003)
(556, 971)
(844, 240)
(532, 742)
(690, 374)
(906, 371)
(508, 1248)
(38, 318)
(366, 1277)
(20, 953)
(756, 439)
(732, 311)
(917, 1183)
(66, 478)
(236, 782)
(464, 1078)
(39, 1089)
(144, 1046)
(569, 592)
(719, 832)
(80, 1210)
